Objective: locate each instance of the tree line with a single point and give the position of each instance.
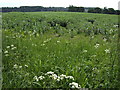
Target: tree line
(71, 8)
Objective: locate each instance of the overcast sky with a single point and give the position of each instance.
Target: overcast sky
(60, 3)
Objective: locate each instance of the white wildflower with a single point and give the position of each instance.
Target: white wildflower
(111, 30)
(58, 78)
(50, 72)
(92, 37)
(20, 66)
(43, 44)
(6, 52)
(8, 47)
(107, 50)
(74, 85)
(93, 55)
(36, 78)
(54, 76)
(62, 76)
(58, 41)
(12, 45)
(70, 77)
(115, 26)
(104, 39)
(15, 66)
(26, 65)
(13, 48)
(47, 40)
(95, 68)
(84, 51)
(41, 77)
(97, 45)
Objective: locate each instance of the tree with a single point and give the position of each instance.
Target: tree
(91, 10)
(105, 10)
(97, 10)
(81, 9)
(118, 12)
(111, 11)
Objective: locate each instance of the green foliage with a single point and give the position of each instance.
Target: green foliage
(77, 52)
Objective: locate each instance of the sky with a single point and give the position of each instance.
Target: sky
(61, 3)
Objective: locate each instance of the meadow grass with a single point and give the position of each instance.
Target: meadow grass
(59, 50)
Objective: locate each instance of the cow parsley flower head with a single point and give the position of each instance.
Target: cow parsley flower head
(26, 65)
(15, 66)
(58, 41)
(12, 45)
(41, 77)
(104, 39)
(97, 45)
(54, 76)
(50, 72)
(107, 50)
(8, 47)
(36, 78)
(70, 77)
(6, 52)
(84, 51)
(20, 66)
(74, 85)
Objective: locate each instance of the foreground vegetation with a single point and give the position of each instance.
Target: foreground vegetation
(59, 50)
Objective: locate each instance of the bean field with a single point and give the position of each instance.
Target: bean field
(59, 50)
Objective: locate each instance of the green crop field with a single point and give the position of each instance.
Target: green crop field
(59, 50)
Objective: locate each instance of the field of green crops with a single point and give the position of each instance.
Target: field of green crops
(59, 50)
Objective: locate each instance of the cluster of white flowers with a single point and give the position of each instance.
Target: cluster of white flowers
(6, 53)
(41, 77)
(26, 65)
(74, 85)
(47, 40)
(107, 50)
(43, 44)
(56, 77)
(17, 66)
(84, 51)
(60, 77)
(8, 47)
(58, 41)
(95, 68)
(104, 39)
(93, 55)
(38, 78)
(12, 47)
(115, 26)
(34, 45)
(20, 66)
(92, 37)
(97, 45)
(110, 31)
(50, 72)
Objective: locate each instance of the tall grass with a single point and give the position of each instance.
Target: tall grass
(59, 50)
